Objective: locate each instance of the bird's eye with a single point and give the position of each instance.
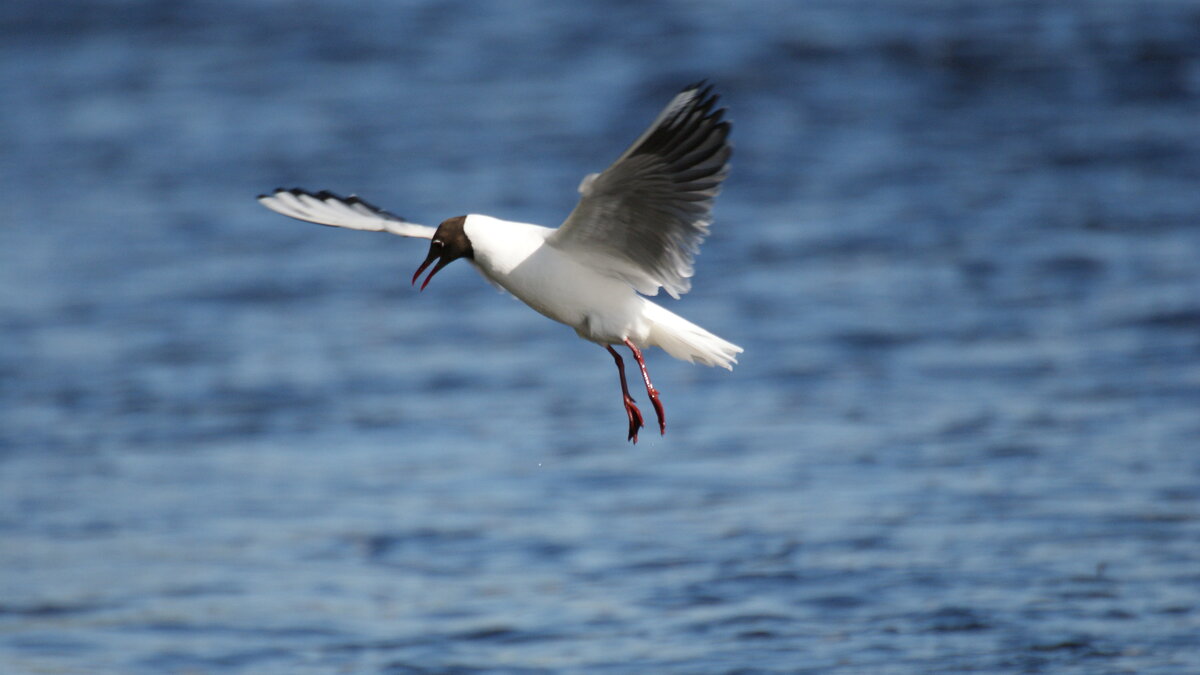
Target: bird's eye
(438, 242)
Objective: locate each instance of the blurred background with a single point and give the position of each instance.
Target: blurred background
(959, 245)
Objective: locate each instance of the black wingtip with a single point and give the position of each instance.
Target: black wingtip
(693, 123)
(326, 195)
(704, 98)
(703, 101)
(295, 192)
(355, 199)
(704, 90)
(274, 193)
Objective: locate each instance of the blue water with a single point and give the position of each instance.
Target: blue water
(960, 245)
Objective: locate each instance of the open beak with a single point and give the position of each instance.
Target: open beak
(441, 262)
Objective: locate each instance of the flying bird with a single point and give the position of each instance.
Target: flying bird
(635, 229)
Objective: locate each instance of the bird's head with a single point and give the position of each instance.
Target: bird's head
(449, 243)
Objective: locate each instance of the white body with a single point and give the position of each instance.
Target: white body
(601, 308)
(635, 229)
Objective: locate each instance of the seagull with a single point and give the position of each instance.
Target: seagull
(635, 230)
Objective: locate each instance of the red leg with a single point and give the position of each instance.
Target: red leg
(658, 409)
(635, 415)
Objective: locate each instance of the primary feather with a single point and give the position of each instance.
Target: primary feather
(643, 219)
(327, 208)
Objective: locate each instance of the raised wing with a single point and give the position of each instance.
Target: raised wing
(645, 216)
(326, 208)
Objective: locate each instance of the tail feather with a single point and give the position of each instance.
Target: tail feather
(686, 341)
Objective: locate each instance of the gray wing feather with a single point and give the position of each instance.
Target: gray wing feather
(326, 208)
(644, 217)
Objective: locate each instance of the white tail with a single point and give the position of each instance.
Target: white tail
(686, 341)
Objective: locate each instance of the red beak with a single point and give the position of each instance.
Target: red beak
(440, 264)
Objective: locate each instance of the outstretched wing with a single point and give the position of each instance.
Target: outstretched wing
(326, 208)
(645, 216)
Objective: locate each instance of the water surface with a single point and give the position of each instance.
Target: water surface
(959, 246)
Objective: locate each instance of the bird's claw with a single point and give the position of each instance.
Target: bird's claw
(658, 410)
(635, 419)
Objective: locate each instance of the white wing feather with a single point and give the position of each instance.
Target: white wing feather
(326, 208)
(643, 218)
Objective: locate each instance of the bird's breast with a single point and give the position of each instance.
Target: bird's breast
(599, 307)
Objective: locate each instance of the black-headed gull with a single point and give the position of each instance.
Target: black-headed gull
(635, 230)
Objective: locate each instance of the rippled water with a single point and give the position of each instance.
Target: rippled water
(959, 245)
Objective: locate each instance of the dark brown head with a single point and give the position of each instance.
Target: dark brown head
(449, 243)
